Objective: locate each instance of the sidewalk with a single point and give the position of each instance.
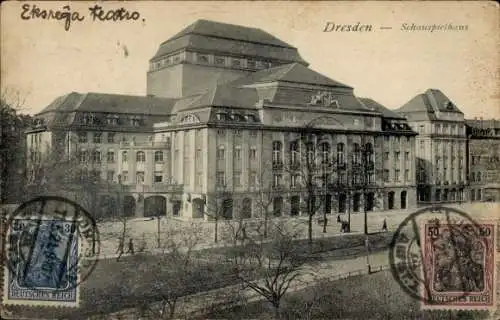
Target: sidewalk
(199, 303)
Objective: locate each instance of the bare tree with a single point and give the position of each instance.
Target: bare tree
(268, 267)
(176, 266)
(12, 145)
(219, 207)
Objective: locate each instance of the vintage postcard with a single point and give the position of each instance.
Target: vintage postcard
(249, 160)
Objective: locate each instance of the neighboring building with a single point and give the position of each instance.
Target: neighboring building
(227, 121)
(440, 147)
(484, 159)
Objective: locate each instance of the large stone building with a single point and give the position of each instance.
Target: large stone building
(440, 147)
(233, 116)
(484, 159)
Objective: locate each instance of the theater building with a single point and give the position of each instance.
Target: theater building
(484, 159)
(440, 147)
(231, 113)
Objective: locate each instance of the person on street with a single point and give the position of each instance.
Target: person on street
(119, 250)
(384, 225)
(130, 246)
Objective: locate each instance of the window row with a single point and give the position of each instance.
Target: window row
(323, 154)
(97, 137)
(96, 156)
(114, 120)
(296, 180)
(397, 175)
(230, 116)
(124, 177)
(236, 132)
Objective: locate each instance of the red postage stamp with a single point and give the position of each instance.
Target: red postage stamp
(459, 265)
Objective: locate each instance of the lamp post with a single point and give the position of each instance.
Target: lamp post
(367, 245)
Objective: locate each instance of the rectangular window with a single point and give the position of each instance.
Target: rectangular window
(277, 179)
(237, 132)
(139, 177)
(96, 156)
(236, 179)
(386, 175)
(422, 144)
(397, 175)
(124, 177)
(294, 181)
(253, 153)
(221, 132)
(158, 156)
(221, 152)
(82, 155)
(396, 156)
(221, 178)
(407, 156)
(110, 176)
(97, 137)
(253, 179)
(237, 153)
(111, 137)
(82, 137)
(421, 129)
(158, 177)
(124, 156)
(386, 155)
(110, 157)
(407, 175)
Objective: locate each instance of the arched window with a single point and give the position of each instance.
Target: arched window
(324, 149)
(277, 147)
(294, 152)
(356, 154)
(190, 118)
(340, 154)
(140, 156)
(158, 156)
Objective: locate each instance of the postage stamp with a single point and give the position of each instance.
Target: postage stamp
(458, 265)
(46, 240)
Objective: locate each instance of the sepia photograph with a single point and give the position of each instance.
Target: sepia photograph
(249, 160)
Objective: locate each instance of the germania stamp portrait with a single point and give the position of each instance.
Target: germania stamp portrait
(50, 243)
(459, 265)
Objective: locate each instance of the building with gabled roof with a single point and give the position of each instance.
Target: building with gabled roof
(228, 109)
(441, 147)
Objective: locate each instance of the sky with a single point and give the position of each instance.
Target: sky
(41, 60)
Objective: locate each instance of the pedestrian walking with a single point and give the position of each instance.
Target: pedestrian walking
(384, 225)
(119, 250)
(130, 246)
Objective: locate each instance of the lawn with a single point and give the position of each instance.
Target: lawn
(127, 283)
(376, 296)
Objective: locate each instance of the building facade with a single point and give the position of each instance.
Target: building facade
(236, 125)
(440, 147)
(484, 159)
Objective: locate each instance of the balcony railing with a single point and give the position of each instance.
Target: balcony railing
(155, 187)
(146, 144)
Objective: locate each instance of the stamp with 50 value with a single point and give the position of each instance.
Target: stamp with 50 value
(458, 265)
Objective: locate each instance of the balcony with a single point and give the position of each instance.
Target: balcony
(146, 144)
(154, 188)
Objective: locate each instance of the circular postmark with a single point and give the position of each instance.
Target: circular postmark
(51, 243)
(436, 250)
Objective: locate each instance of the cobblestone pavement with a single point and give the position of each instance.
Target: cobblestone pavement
(144, 231)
